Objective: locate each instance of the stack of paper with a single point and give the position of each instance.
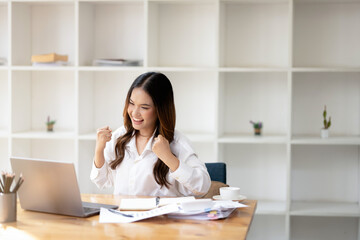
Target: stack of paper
(116, 62)
(179, 208)
(219, 210)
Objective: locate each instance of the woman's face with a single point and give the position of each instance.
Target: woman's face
(142, 111)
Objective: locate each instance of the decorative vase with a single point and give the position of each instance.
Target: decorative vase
(50, 127)
(257, 131)
(324, 133)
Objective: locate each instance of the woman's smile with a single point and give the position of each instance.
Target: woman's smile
(137, 121)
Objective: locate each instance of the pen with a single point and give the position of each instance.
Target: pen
(157, 201)
(18, 184)
(120, 213)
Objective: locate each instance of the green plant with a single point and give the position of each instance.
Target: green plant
(256, 125)
(327, 124)
(50, 122)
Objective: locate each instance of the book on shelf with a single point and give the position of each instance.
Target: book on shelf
(48, 58)
(116, 62)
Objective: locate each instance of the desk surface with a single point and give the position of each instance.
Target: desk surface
(34, 225)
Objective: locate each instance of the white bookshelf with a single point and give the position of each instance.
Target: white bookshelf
(230, 61)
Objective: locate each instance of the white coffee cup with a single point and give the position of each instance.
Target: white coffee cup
(229, 193)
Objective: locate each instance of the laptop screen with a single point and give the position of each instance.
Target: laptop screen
(49, 186)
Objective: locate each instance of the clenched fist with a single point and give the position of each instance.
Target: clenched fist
(161, 148)
(103, 136)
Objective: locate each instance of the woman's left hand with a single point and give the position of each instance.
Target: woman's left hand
(161, 148)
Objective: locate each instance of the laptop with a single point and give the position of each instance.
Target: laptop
(52, 187)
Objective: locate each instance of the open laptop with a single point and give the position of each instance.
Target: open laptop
(52, 187)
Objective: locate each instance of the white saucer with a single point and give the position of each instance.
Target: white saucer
(239, 198)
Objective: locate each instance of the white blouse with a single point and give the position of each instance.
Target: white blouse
(134, 176)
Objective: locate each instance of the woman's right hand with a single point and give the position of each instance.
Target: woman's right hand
(103, 136)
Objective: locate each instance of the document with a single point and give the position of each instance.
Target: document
(218, 210)
(150, 203)
(208, 215)
(114, 216)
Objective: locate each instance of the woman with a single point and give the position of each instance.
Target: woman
(147, 156)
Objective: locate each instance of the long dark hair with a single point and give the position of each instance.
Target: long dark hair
(159, 88)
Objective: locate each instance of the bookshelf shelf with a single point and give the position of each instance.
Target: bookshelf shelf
(247, 138)
(254, 69)
(333, 140)
(325, 209)
(335, 69)
(33, 68)
(44, 135)
(110, 69)
(230, 61)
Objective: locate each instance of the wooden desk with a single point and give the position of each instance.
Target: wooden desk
(35, 225)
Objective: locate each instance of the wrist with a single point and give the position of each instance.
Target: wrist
(99, 148)
(166, 157)
(172, 162)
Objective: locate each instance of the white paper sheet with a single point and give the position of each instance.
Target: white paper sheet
(150, 203)
(106, 216)
(166, 201)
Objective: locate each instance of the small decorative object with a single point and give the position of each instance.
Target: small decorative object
(327, 124)
(257, 127)
(50, 124)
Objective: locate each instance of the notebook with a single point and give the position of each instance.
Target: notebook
(52, 187)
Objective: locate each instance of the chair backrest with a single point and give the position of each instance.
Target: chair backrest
(217, 171)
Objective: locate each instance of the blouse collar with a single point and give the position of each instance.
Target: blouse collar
(149, 144)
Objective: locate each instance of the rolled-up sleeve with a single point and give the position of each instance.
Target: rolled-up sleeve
(104, 177)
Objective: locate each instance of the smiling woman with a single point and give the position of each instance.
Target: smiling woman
(147, 156)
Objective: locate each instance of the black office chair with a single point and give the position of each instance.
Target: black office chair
(217, 171)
